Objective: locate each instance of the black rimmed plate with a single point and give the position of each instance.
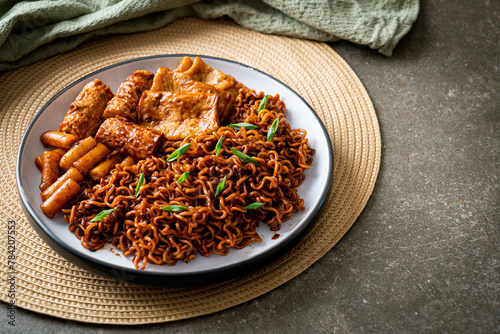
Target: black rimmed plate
(202, 270)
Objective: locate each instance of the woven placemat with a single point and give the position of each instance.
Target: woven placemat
(48, 284)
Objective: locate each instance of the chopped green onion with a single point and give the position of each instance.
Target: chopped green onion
(101, 215)
(244, 157)
(273, 129)
(263, 104)
(218, 146)
(178, 152)
(253, 206)
(183, 177)
(247, 126)
(174, 208)
(139, 185)
(220, 187)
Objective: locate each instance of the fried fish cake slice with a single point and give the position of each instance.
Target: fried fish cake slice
(163, 80)
(167, 80)
(198, 70)
(178, 115)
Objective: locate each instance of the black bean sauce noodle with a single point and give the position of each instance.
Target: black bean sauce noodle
(210, 225)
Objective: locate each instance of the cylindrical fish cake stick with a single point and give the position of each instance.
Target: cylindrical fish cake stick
(39, 158)
(91, 158)
(50, 169)
(84, 115)
(58, 139)
(60, 198)
(124, 103)
(102, 169)
(72, 173)
(76, 152)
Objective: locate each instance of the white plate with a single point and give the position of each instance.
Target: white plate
(109, 261)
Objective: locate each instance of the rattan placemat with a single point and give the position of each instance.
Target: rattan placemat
(48, 284)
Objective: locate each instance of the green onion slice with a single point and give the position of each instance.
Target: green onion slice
(139, 185)
(174, 208)
(220, 187)
(263, 104)
(218, 146)
(178, 152)
(101, 215)
(253, 206)
(247, 126)
(183, 177)
(273, 129)
(244, 157)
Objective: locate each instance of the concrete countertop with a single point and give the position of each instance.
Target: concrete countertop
(424, 254)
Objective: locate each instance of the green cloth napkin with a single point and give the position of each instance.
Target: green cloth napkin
(33, 30)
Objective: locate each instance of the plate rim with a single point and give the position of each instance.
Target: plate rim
(139, 276)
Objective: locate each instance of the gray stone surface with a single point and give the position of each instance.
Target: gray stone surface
(424, 254)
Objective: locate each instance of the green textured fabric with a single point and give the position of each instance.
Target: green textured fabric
(33, 30)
